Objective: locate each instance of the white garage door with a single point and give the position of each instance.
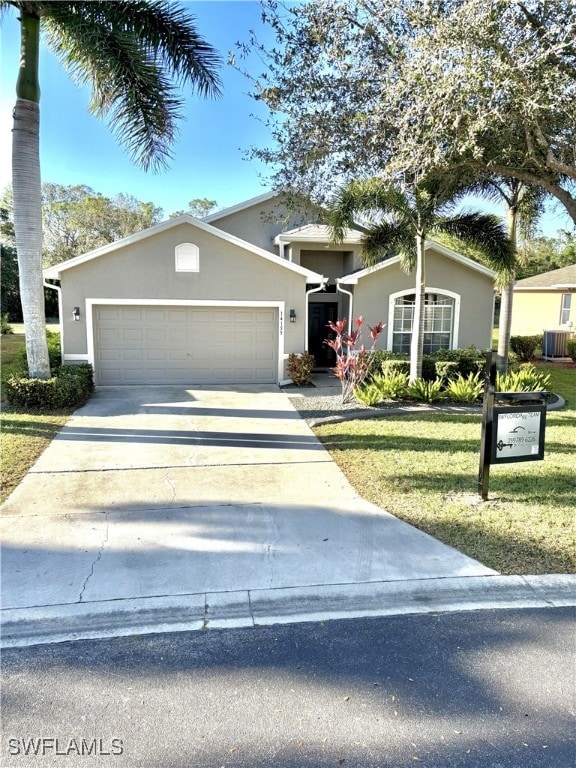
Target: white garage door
(185, 345)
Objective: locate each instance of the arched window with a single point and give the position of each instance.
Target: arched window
(187, 257)
(441, 319)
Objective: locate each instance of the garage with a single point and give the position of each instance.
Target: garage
(185, 345)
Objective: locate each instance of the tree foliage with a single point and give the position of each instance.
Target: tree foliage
(358, 88)
(76, 219)
(543, 254)
(199, 207)
(9, 290)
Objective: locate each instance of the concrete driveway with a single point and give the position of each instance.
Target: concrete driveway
(169, 493)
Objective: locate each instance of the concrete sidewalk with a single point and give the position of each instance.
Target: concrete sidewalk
(152, 498)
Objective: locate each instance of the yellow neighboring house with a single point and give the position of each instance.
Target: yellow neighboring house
(545, 302)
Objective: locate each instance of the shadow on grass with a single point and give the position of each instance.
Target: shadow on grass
(508, 554)
(32, 426)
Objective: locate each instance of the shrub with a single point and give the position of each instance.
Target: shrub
(5, 326)
(393, 367)
(465, 389)
(69, 389)
(571, 348)
(300, 368)
(368, 393)
(468, 360)
(352, 364)
(524, 347)
(377, 358)
(525, 379)
(428, 391)
(392, 387)
(446, 369)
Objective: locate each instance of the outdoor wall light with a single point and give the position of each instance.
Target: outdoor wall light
(76, 313)
(292, 315)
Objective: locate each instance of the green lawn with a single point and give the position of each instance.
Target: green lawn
(424, 469)
(24, 435)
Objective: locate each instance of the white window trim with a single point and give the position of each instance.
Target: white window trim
(279, 305)
(188, 251)
(564, 308)
(429, 289)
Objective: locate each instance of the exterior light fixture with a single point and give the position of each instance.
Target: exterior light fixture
(292, 315)
(76, 314)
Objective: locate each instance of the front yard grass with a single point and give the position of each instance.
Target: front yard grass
(424, 468)
(24, 435)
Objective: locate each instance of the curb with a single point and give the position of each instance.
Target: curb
(24, 627)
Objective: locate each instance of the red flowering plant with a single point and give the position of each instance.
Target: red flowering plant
(352, 363)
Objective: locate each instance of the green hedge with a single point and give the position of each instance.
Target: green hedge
(524, 347)
(70, 388)
(571, 348)
(444, 363)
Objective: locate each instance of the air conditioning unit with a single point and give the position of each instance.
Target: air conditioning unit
(554, 344)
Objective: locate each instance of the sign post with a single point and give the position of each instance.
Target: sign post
(487, 424)
(510, 433)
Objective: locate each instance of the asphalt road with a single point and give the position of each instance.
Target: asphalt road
(486, 689)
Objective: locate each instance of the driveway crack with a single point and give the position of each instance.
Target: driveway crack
(172, 486)
(98, 556)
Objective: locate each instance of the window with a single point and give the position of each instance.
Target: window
(438, 322)
(565, 308)
(187, 257)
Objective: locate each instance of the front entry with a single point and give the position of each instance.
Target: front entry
(319, 314)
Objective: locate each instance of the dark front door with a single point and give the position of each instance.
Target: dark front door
(319, 313)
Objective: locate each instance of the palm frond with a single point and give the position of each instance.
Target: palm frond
(130, 69)
(486, 234)
(169, 35)
(388, 239)
(371, 197)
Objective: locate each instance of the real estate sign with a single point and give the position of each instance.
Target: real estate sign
(518, 433)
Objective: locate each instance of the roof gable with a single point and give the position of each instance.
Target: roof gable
(429, 245)
(55, 271)
(240, 207)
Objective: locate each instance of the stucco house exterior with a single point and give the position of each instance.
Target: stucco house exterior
(226, 299)
(545, 302)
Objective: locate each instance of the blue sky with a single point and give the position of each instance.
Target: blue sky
(210, 155)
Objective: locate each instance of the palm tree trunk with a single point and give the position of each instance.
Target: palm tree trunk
(27, 199)
(417, 342)
(505, 322)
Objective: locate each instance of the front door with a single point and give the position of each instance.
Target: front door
(319, 313)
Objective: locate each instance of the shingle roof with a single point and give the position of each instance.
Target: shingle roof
(565, 277)
(316, 232)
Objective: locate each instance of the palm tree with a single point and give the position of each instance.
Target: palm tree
(135, 55)
(523, 205)
(403, 217)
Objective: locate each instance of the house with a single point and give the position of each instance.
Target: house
(227, 298)
(545, 302)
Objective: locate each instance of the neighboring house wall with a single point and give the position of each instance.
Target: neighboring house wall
(146, 270)
(472, 291)
(539, 302)
(537, 311)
